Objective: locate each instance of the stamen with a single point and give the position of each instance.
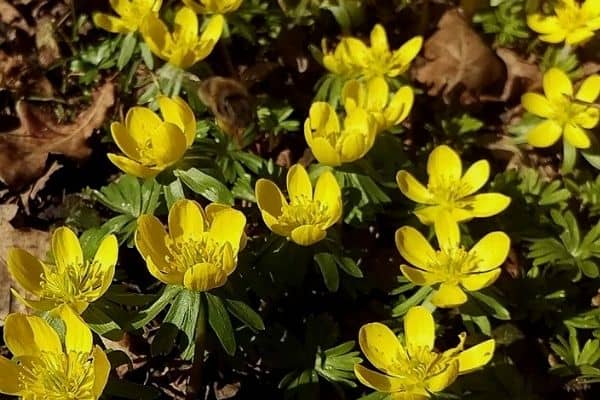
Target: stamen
(453, 264)
(304, 211)
(78, 282)
(184, 254)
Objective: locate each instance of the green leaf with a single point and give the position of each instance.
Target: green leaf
(415, 299)
(327, 265)
(102, 323)
(195, 311)
(205, 185)
(127, 48)
(183, 307)
(90, 240)
(147, 315)
(245, 314)
(147, 55)
(348, 265)
(219, 321)
(123, 196)
(150, 193)
(173, 192)
(492, 304)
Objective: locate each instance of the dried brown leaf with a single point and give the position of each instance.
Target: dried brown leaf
(34, 241)
(456, 59)
(45, 41)
(13, 18)
(20, 77)
(521, 75)
(24, 151)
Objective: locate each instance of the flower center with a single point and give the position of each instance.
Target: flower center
(448, 191)
(304, 211)
(147, 154)
(184, 254)
(571, 18)
(77, 282)
(454, 263)
(564, 110)
(420, 364)
(58, 376)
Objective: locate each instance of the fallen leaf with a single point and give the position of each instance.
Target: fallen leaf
(521, 75)
(45, 41)
(456, 59)
(34, 241)
(12, 17)
(22, 78)
(24, 151)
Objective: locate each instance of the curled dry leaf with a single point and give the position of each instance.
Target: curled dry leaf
(456, 59)
(10, 16)
(34, 241)
(21, 78)
(521, 75)
(24, 150)
(45, 41)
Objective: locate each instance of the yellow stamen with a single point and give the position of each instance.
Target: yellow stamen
(78, 282)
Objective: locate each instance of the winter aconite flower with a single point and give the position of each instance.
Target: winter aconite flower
(72, 280)
(131, 14)
(182, 47)
(572, 23)
(564, 113)
(374, 97)
(306, 217)
(213, 6)
(151, 144)
(452, 267)
(44, 368)
(200, 250)
(449, 191)
(415, 370)
(353, 57)
(333, 144)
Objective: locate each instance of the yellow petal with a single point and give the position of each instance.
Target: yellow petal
(324, 152)
(379, 41)
(150, 238)
(448, 296)
(186, 221)
(209, 38)
(554, 37)
(141, 122)
(26, 269)
(406, 53)
(307, 235)
(591, 8)
(476, 356)
(106, 256)
(228, 226)
(557, 84)
(353, 147)
(588, 118)
(579, 36)
(443, 166)
(156, 35)
(66, 248)
(537, 104)
(414, 248)
(353, 96)
(125, 140)
(487, 204)
(28, 335)
(589, 89)
(544, 134)
(328, 193)
(9, 379)
(378, 94)
(298, 184)
(491, 250)
(419, 329)
(419, 277)
(379, 382)
(270, 200)
(441, 381)
(323, 118)
(203, 277)
(381, 347)
(543, 24)
(186, 25)
(134, 168)
(478, 281)
(101, 370)
(576, 136)
(428, 215)
(476, 176)
(168, 276)
(412, 188)
(111, 24)
(176, 111)
(168, 144)
(37, 305)
(447, 232)
(399, 106)
(228, 261)
(78, 337)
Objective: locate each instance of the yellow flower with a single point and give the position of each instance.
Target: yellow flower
(199, 252)
(213, 6)
(182, 48)
(452, 267)
(353, 57)
(334, 145)
(563, 113)
(307, 216)
(416, 371)
(131, 12)
(72, 280)
(150, 144)
(42, 368)
(572, 23)
(449, 191)
(373, 97)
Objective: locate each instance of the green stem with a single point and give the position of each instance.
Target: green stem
(194, 388)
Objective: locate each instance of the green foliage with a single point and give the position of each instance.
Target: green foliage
(507, 21)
